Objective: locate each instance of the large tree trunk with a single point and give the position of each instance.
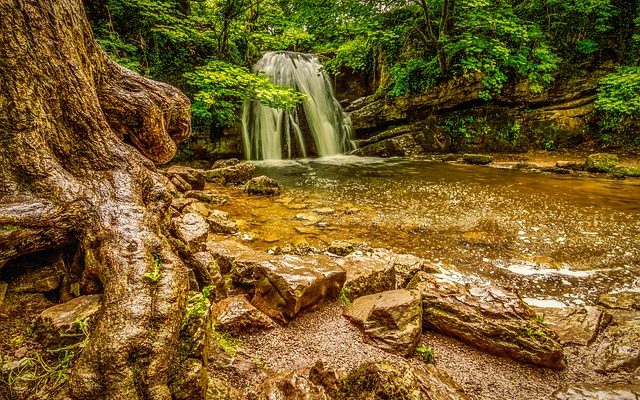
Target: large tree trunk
(79, 136)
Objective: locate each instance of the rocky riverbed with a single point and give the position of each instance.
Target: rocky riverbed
(316, 288)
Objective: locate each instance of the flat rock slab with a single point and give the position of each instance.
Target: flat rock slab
(191, 229)
(221, 222)
(236, 174)
(237, 260)
(490, 318)
(574, 325)
(55, 324)
(367, 275)
(37, 279)
(236, 315)
(627, 301)
(612, 391)
(288, 284)
(620, 347)
(391, 320)
(262, 185)
(193, 176)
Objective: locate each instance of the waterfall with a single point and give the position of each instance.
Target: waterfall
(322, 129)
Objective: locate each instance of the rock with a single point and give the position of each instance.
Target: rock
(620, 347)
(574, 325)
(405, 266)
(285, 286)
(225, 163)
(191, 229)
(367, 275)
(237, 260)
(219, 389)
(490, 318)
(37, 278)
(340, 247)
(290, 385)
(206, 268)
(262, 185)
(3, 291)
(627, 301)
(195, 331)
(236, 174)
(600, 162)
(180, 183)
(324, 211)
(194, 177)
(570, 165)
(477, 159)
(197, 207)
(604, 391)
(237, 316)
(391, 320)
(399, 381)
(181, 202)
(62, 324)
(221, 222)
(207, 196)
(192, 382)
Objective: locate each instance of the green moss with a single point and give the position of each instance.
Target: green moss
(600, 162)
(8, 228)
(477, 159)
(627, 171)
(345, 296)
(533, 333)
(426, 353)
(227, 342)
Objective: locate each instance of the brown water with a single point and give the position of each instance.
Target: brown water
(550, 237)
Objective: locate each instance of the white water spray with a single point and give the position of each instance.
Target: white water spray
(271, 134)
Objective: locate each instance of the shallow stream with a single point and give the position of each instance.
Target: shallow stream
(553, 238)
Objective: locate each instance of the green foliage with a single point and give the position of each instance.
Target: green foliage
(619, 100)
(426, 353)
(533, 333)
(156, 271)
(227, 342)
(413, 76)
(197, 306)
(220, 89)
(345, 296)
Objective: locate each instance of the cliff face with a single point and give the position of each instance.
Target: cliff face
(451, 117)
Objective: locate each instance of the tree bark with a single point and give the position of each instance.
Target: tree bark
(79, 136)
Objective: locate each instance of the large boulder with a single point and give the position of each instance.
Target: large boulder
(574, 325)
(262, 185)
(367, 275)
(237, 316)
(221, 222)
(237, 260)
(286, 285)
(620, 347)
(604, 391)
(490, 318)
(220, 389)
(64, 323)
(206, 268)
(399, 381)
(390, 320)
(194, 177)
(600, 162)
(405, 266)
(191, 229)
(235, 174)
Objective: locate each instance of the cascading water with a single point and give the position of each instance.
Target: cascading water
(271, 134)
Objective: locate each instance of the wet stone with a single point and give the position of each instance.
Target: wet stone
(367, 275)
(236, 260)
(206, 196)
(627, 301)
(221, 222)
(605, 391)
(262, 185)
(194, 177)
(405, 267)
(219, 389)
(574, 325)
(600, 162)
(490, 318)
(191, 229)
(180, 183)
(60, 324)
(340, 248)
(181, 202)
(37, 278)
(289, 284)
(291, 385)
(400, 381)
(197, 207)
(620, 347)
(236, 315)
(477, 159)
(207, 268)
(235, 174)
(390, 320)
